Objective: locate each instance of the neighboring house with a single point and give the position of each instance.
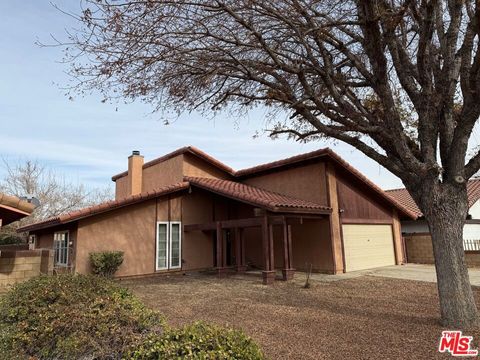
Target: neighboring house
(12, 209)
(188, 211)
(417, 234)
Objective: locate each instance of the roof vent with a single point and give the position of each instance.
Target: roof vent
(135, 152)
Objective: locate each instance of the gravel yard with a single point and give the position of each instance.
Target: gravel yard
(360, 318)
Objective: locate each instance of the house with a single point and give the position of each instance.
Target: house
(187, 211)
(12, 209)
(417, 234)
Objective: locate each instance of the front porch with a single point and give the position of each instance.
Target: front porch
(272, 232)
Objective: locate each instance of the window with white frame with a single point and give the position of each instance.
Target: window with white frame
(60, 246)
(169, 245)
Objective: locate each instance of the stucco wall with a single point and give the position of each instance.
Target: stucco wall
(193, 166)
(162, 174)
(305, 182)
(121, 187)
(130, 229)
(198, 246)
(470, 231)
(169, 172)
(153, 177)
(474, 210)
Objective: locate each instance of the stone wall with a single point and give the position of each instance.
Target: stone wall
(17, 266)
(420, 251)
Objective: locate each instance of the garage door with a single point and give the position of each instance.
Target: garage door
(368, 246)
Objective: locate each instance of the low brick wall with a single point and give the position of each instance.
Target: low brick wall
(419, 248)
(17, 266)
(473, 258)
(15, 247)
(420, 251)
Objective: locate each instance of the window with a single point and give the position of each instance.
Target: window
(60, 245)
(169, 245)
(162, 245)
(175, 245)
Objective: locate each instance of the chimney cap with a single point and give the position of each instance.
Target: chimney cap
(135, 152)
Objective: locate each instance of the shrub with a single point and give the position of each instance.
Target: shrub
(71, 317)
(198, 341)
(106, 263)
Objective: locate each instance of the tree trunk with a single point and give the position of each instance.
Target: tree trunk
(445, 207)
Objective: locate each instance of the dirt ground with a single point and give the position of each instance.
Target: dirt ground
(361, 318)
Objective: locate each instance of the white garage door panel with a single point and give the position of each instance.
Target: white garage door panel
(368, 246)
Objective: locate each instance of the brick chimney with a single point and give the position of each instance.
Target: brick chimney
(135, 172)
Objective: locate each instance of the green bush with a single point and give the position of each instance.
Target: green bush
(71, 317)
(106, 263)
(198, 341)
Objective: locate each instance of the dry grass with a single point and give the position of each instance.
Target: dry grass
(361, 318)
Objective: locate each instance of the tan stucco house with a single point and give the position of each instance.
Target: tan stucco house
(187, 211)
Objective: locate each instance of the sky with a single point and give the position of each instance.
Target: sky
(88, 141)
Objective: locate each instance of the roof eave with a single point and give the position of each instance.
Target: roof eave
(290, 210)
(59, 221)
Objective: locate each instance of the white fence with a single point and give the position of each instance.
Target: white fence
(471, 244)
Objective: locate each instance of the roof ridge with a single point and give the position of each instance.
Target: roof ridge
(288, 160)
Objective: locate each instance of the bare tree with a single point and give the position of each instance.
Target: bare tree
(55, 194)
(396, 79)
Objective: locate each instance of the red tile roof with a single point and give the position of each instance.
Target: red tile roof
(327, 152)
(13, 208)
(16, 203)
(402, 196)
(235, 190)
(258, 197)
(104, 207)
(187, 149)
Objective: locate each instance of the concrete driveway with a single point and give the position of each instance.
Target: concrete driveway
(417, 272)
(408, 272)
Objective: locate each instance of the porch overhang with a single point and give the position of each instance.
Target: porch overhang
(249, 222)
(266, 224)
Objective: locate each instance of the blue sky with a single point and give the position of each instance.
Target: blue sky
(88, 141)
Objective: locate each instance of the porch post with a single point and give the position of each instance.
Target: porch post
(287, 271)
(269, 272)
(239, 250)
(220, 262)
